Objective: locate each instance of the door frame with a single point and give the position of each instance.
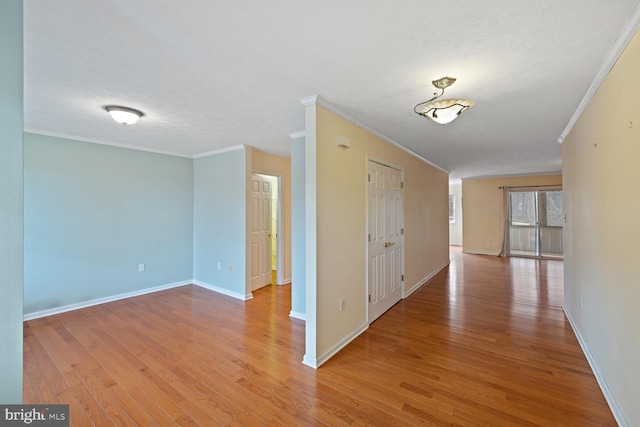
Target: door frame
(279, 226)
(382, 162)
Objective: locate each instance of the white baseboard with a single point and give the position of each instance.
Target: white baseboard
(223, 291)
(285, 282)
(417, 286)
(310, 361)
(97, 301)
(613, 405)
(298, 315)
(464, 251)
(316, 362)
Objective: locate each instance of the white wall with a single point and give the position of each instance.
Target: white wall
(455, 228)
(11, 196)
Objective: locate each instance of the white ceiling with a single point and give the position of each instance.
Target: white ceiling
(215, 74)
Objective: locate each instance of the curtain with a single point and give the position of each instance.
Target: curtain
(505, 221)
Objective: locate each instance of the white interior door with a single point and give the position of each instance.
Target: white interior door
(260, 231)
(385, 238)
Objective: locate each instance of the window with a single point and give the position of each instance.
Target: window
(552, 208)
(452, 208)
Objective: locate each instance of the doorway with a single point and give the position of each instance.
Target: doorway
(266, 224)
(535, 222)
(385, 238)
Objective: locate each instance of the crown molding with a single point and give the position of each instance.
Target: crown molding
(299, 134)
(102, 142)
(310, 100)
(219, 151)
(625, 36)
(316, 99)
(148, 150)
(512, 175)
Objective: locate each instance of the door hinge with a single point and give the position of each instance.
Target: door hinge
(403, 277)
(401, 184)
(369, 237)
(369, 297)
(369, 177)
(402, 231)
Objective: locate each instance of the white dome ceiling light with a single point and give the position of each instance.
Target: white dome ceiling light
(124, 115)
(446, 110)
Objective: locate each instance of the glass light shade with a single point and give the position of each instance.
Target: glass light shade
(124, 115)
(446, 110)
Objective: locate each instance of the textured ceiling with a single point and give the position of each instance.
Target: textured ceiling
(215, 74)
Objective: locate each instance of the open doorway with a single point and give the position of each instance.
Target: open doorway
(266, 224)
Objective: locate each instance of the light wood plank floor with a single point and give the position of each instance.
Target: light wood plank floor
(485, 343)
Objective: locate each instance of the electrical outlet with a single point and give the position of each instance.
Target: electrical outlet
(219, 265)
(140, 267)
(230, 269)
(341, 304)
(580, 302)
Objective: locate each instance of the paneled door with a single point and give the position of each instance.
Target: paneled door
(385, 235)
(260, 231)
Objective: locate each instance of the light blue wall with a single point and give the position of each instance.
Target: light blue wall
(94, 212)
(219, 232)
(11, 193)
(298, 270)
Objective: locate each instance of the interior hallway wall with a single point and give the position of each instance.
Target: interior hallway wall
(337, 186)
(11, 200)
(298, 233)
(602, 205)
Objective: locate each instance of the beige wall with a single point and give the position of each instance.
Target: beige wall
(271, 164)
(601, 175)
(483, 206)
(341, 225)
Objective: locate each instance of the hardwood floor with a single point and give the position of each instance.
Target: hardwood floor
(485, 343)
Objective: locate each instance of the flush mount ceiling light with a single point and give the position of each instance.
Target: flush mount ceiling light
(446, 110)
(124, 115)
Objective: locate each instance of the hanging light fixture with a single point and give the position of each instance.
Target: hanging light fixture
(124, 115)
(446, 110)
